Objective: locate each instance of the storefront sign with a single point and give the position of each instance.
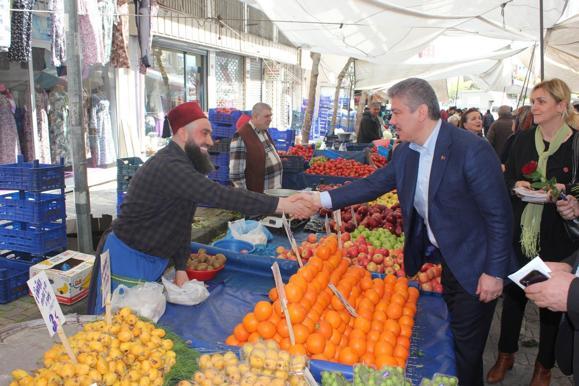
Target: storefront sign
(4, 24)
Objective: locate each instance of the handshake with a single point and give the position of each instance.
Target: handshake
(300, 205)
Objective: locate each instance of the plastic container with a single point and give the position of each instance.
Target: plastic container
(293, 163)
(222, 131)
(13, 277)
(203, 275)
(34, 239)
(31, 176)
(34, 208)
(126, 169)
(235, 245)
(220, 145)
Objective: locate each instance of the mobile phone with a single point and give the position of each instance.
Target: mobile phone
(533, 277)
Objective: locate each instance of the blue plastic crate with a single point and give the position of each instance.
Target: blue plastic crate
(32, 176)
(286, 135)
(126, 169)
(13, 277)
(220, 174)
(33, 208)
(220, 159)
(33, 239)
(281, 145)
(120, 198)
(221, 131)
(220, 117)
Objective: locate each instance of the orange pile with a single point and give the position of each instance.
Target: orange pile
(323, 329)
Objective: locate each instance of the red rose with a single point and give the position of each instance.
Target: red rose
(529, 168)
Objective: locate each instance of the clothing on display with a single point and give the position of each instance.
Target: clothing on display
(8, 132)
(107, 10)
(90, 30)
(4, 25)
(58, 33)
(57, 125)
(146, 9)
(25, 132)
(103, 150)
(42, 126)
(119, 50)
(20, 48)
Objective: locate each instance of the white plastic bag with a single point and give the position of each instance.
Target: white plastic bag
(146, 300)
(193, 292)
(249, 230)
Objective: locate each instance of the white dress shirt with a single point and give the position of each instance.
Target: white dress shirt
(426, 152)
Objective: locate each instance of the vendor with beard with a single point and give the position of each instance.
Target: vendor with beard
(154, 224)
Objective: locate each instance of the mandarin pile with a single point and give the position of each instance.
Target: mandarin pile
(323, 329)
(128, 352)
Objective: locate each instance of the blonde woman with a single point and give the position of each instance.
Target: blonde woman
(539, 230)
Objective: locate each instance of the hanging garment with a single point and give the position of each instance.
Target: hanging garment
(25, 134)
(103, 143)
(8, 132)
(4, 25)
(58, 34)
(119, 50)
(57, 126)
(42, 126)
(20, 48)
(91, 36)
(107, 10)
(146, 9)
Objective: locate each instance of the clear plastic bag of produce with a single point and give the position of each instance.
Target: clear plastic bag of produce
(249, 230)
(146, 300)
(191, 293)
(444, 380)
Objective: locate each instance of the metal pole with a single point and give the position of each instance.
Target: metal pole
(542, 43)
(75, 133)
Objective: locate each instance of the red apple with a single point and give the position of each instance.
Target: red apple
(371, 250)
(437, 288)
(388, 271)
(363, 248)
(381, 269)
(345, 236)
(427, 287)
(378, 259)
(372, 267)
(353, 251)
(422, 277)
(348, 244)
(312, 238)
(396, 267)
(401, 273)
(383, 252)
(430, 274)
(388, 261)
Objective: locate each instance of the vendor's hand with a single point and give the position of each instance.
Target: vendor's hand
(181, 278)
(568, 209)
(522, 184)
(489, 288)
(558, 267)
(552, 293)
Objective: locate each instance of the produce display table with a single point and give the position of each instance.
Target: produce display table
(247, 279)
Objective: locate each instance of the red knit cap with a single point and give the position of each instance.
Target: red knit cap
(183, 114)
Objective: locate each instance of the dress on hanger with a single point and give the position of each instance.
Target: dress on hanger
(8, 133)
(120, 53)
(20, 48)
(90, 31)
(58, 32)
(107, 10)
(57, 126)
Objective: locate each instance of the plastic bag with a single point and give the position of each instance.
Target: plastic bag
(146, 300)
(250, 231)
(191, 293)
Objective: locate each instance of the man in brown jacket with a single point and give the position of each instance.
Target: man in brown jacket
(253, 161)
(501, 129)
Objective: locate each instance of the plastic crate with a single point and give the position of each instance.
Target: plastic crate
(120, 198)
(293, 163)
(358, 146)
(225, 116)
(34, 208)
(33, 239)
(220, 145)
(221, 131)
(220, 160)
(32, 176)
(13, 277)
(126, 169)
(221, 173)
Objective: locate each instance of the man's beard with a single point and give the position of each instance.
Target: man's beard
(199, 158)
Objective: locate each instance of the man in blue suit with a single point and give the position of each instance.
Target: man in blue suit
(453, 196)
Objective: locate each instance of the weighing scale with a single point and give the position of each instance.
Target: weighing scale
(274, 222)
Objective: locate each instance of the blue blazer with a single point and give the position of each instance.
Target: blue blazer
(468, 205)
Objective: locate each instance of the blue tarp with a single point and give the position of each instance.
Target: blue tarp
(247, 279)
(360, 156)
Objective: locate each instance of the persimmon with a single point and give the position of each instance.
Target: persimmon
(231, 341)
(324, 328)
(386, 360)
(297, 313)
(250, 322)
(301, 333)
(383, 348)
(240, 333)
(394, 311)
(348, 356)
(297, 349)
(330, 350)
(392, 326)
(282, 329)
(273, 295)
(358, 345)
(293, 293)
(266, 330)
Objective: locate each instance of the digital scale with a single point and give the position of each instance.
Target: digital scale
(275, 222)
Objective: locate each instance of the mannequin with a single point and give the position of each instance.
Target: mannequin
(9, 145)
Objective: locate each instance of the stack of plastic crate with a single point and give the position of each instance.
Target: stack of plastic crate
(126, 169)
(32, 221)
(282, 139)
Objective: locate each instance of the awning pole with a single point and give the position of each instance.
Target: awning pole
(541, 41)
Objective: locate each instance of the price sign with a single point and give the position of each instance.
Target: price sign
(343, 300)
(283, 300)
(354, 216)
(338, 219)
(105, 276)
(46, 301)
(327, 224)
(291, 239)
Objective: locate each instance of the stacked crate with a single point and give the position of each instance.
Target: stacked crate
(282, 139)
(126, 169)
(32, 220)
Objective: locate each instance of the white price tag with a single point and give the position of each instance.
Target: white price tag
(105, 276)
(283, 300)
(309, 378)
(354, 216)
(291, 239)
(338, 219)
(327, 224)
(46, 301)
(344, 301)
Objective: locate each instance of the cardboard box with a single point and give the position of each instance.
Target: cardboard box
(71, 284)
